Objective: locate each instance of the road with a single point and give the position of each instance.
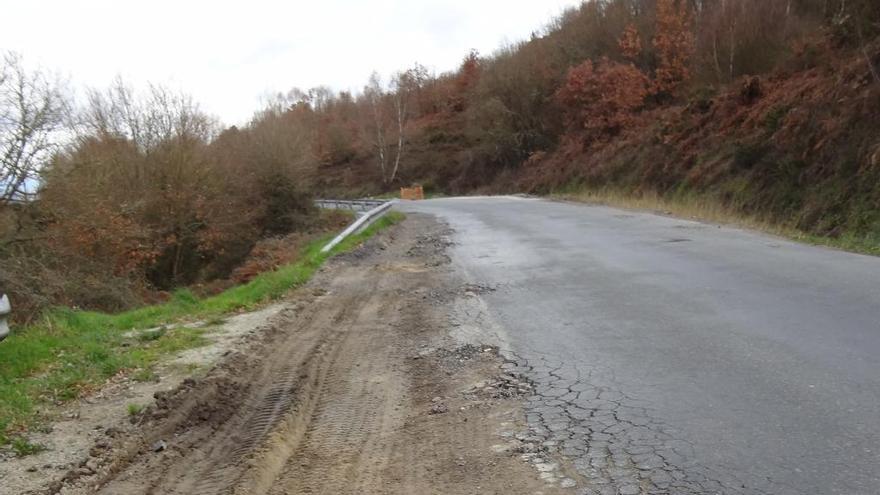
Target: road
(672, 356)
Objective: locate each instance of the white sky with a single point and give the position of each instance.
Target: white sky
(229, 55)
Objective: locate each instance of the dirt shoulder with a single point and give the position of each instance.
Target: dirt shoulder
(74, 431)
(354, 384)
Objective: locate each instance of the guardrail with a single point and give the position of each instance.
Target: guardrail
(362, 205)
(361, 223)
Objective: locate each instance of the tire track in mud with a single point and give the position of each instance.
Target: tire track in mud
(343, 449)
(289, 400)
(291, 433)
(215, 457)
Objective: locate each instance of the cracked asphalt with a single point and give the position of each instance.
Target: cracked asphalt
(676, 357)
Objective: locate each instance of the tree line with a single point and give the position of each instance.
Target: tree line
(108, 197)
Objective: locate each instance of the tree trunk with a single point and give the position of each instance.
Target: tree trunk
(401, 121)
(718, 69)
(380, 141)
(732, 46)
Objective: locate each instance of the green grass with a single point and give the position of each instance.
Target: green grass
(69, 352)
(23, 448)
(134, 409)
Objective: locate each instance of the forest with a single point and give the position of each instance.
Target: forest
(767, 108)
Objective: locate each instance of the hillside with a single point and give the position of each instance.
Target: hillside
(797, 147)
(632, 97)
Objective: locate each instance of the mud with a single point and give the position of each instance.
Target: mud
(362, 389)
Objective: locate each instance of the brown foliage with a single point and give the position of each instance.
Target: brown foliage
(674, 45)
(630, 43)
(800, 149)
(465, 81)
(601, 99)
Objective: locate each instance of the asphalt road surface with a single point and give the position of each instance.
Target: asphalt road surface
(672, 356)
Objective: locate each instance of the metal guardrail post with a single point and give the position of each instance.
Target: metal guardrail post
(5, 309)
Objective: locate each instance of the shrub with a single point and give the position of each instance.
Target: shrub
(600, 99)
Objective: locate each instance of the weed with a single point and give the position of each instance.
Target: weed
(192, 367)
(151, 335)
(134, 409)
(215, 321)
(24, 448)
(184, 297)
(144, 375)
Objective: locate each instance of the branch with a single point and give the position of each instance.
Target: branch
(865, 53)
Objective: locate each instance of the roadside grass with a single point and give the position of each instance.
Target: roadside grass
(68, 353)
(134, 409)
(429, 194)
(23, 448)
(706, 210)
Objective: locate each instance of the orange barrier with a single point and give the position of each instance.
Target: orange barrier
(413, 193)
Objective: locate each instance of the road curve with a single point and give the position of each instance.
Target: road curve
(673, 356)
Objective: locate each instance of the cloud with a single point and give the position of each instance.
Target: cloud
(228, 54)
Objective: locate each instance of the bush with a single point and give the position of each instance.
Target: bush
(36, 279)
(600, 99)
(287, 208)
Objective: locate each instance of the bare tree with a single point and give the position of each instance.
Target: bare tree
(375, 96)
(391, 111)
(147, 118)
(32, 105)
(402, 86)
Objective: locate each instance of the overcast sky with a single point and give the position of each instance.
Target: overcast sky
(229, 55)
